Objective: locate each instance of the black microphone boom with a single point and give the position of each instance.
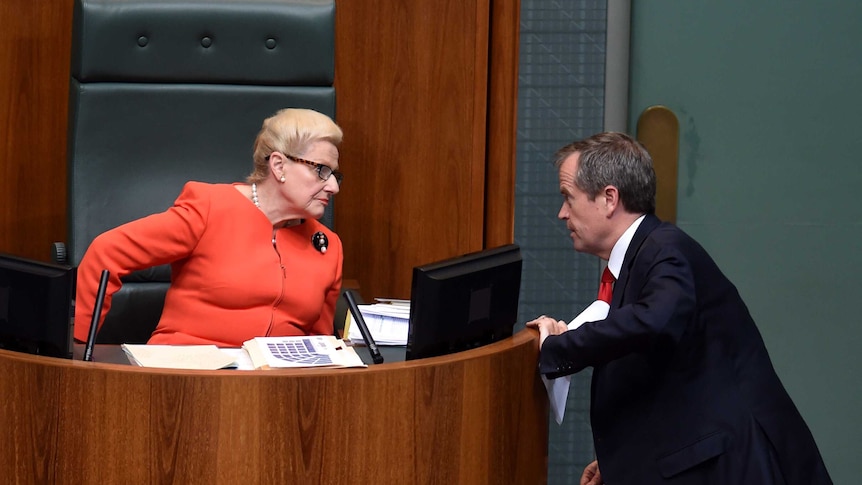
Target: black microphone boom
(97, 313)
(363, 328)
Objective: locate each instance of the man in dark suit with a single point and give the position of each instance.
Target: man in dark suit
(683, 391)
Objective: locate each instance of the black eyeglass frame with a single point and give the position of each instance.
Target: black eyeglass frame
(323, 171)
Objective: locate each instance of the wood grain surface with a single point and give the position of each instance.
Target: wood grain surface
(476, 417)
(34, 92)
(417, 84)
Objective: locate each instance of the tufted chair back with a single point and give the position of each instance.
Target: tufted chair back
(167, 91)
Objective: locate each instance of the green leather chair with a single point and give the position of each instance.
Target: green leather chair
(176, 90)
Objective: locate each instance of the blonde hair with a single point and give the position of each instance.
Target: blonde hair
(290, 131)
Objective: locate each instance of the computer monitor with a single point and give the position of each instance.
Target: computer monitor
(464, 302)
(36, 307)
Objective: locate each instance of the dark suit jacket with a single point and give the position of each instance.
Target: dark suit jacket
(683, 390)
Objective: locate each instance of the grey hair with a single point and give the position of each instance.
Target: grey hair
(613, 158)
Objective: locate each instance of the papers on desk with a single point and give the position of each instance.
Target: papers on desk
(179, 356)
(388, 323)
(312, 351)
(257, 353)
(558, 389)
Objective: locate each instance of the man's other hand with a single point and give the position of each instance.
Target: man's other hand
(592, 475)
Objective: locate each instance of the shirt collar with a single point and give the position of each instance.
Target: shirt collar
(618, 253)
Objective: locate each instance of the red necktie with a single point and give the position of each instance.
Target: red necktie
(606, 287)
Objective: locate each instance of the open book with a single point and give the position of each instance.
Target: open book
(311, 351)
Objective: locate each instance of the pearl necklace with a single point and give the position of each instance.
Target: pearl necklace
(257, 204)
(254, 196)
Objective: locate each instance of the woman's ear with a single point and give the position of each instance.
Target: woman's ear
(276, 164)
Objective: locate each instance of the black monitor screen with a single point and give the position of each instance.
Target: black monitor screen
(36, 307)
(464, 302)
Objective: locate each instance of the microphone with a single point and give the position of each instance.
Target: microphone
(97, 312)
(320, 241)
(363, 328)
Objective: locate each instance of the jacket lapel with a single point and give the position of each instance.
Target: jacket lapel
(648, 225)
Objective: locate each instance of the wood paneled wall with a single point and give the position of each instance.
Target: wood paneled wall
(502, 123)
(426, 95)
(34, 92)
(428, 160)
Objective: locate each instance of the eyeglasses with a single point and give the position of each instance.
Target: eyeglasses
(323, 171)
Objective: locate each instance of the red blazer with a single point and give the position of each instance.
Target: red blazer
(229, 283)
(683, 390)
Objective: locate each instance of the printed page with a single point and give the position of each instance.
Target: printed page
(310, 351)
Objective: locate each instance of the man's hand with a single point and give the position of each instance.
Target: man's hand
(592, 475)
(547, 326)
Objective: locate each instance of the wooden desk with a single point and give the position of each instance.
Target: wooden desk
(476, 417)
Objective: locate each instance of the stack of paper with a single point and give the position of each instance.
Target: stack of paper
(312, 351)
(388, 321)
(257, 353)
(179, 356)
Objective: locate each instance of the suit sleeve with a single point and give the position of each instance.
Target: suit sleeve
(658, 304)
(151, 241)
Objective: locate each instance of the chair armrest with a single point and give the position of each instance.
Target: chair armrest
(59, 254)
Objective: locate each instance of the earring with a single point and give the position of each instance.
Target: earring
(283, 179)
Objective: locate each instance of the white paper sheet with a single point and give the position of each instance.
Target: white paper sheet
(389, 324)
(558, 389)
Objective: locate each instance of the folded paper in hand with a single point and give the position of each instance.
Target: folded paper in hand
(558, 389)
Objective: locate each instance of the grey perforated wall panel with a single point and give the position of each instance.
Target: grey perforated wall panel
(560, 99)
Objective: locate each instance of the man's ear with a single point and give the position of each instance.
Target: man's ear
(611, 197)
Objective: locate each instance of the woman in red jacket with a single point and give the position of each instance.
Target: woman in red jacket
(247, 259)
